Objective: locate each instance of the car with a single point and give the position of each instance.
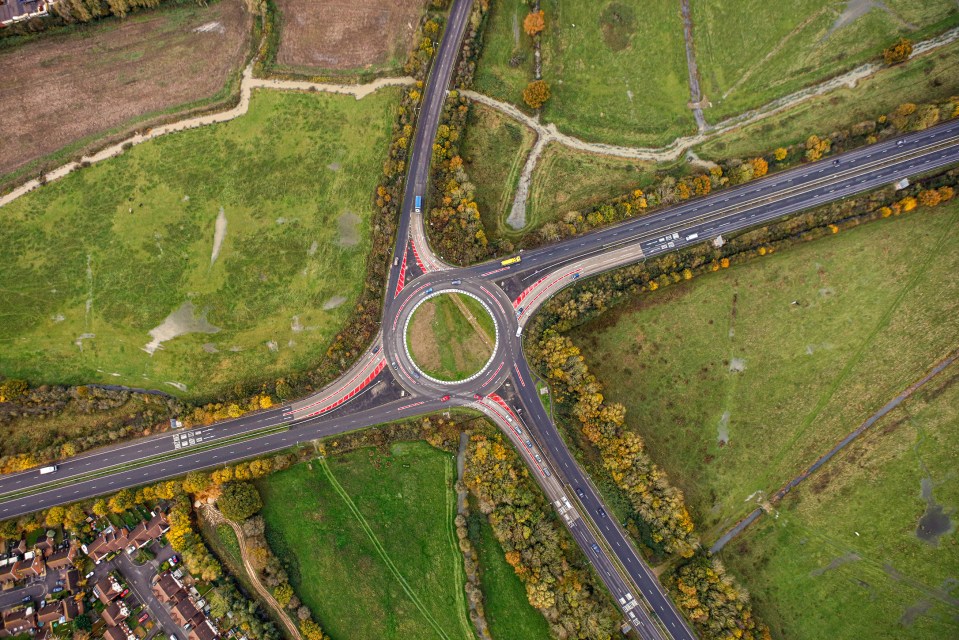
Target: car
(445, 398)
(596, 548)
(174, 559)
(456, 282)
(26, 599)
(143, 618)
(601, 512)
(125, 593)
(416, 374)
(835, 163)
(376, 349)
(429, 291)
(575, 275)
(899, 143)
(56, 590)
(581, 493)
(477, 396)
(529, 444)
(538, 458)
(88, 576)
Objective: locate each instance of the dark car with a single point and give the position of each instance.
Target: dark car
(601, 512)
(376, 349)
(596, 548)
(581, 493)
(26, 599)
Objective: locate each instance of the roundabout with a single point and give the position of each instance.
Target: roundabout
(450, 336)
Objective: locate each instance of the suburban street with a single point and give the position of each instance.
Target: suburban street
(384, 385)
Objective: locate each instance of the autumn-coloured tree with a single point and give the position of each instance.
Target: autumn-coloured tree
(536, 93)
(534, 23)
(816, 147)
(780, 154)
(760, 167)
(929, 197)
(898, 52)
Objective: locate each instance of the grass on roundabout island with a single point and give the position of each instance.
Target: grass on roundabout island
(451, 336)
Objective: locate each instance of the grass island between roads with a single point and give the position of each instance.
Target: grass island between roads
(451, 336)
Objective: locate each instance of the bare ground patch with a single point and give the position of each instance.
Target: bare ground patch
(422, 341)
(61, 89)
(346, 34)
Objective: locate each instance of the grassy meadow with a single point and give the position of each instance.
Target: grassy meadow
(97, 260)
(750, 52)
(370, 545)
(740, 379)
(842, 559)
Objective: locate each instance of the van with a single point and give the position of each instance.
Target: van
(51, 469)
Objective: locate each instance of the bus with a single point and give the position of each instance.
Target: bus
(418, 204)
(510, 261)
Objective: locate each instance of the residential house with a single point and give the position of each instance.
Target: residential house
(17, 622)
(72, 580)
(7, 576)
(49, 613)
(146, 532)
(107, 589)
(71, 608)
(31, 566)
(45, 546)
(119, 632)
(109, 541)
(184, 612)
(167, 588)
(116, 613)
(203, 631)
(62, 559)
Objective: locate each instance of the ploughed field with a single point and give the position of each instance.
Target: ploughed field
(63, 90)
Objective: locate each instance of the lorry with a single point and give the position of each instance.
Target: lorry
(45, 470)
(509, 261)
(418, 204)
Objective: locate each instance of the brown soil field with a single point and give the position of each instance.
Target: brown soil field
(63, 89)
(340, 35)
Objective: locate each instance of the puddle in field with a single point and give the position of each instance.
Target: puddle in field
(723, 429)
(333, 302)
(935, 522)
(835, 564)
(348, 226)
(181, 322)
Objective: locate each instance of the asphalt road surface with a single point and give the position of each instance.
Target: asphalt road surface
(385, 385)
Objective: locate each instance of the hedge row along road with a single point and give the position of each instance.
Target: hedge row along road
(384, 385)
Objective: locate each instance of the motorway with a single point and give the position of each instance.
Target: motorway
(384, 385)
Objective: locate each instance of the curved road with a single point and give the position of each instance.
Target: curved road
(384, 385)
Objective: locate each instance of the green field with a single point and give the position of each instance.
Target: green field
(569, 180)
(842, 559)
(740, 379)
(508, 611)
(750, 52)
(928, 78)
(97, 260)
(369, 542)
(617, 70)
(443, 342)
(495, 148)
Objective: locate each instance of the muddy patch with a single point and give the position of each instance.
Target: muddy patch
(313, 247)
(181, 322)
(834, 564)
(910, 614)
(723, 430)
(348, 227)
(856, 9)
(219, 234)
(82, 337)
(935, 522)
(737, 365)
(295, 325)
(333, 302)
(209, 347)
(334, 166)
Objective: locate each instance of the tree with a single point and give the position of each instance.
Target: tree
(196, 482)
(534, 23)
(239, 501)
(121, 501)
(283, 594)
(760, 167)
(82, 622)
(929, 198)
(12, 389)
(898, 52)
(780, 154)
(536, 94)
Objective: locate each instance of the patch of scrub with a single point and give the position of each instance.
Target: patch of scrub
(835, 564)
(177, 385)
(219, 234)
(724, 429)
(935, 522)
(182, 321)
(333, 302)
(737, 365)
(348, 226)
